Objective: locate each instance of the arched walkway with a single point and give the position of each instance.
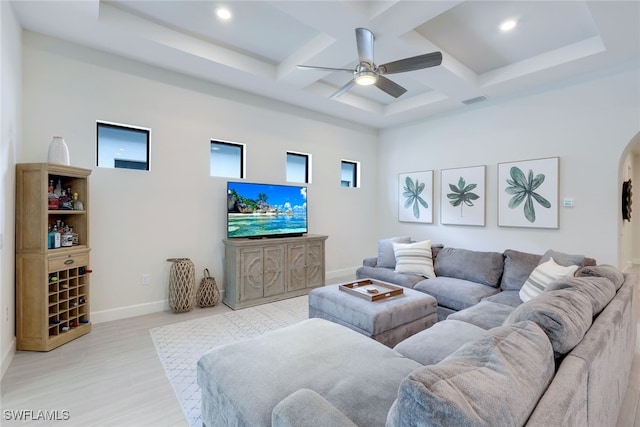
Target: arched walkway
(629, 231)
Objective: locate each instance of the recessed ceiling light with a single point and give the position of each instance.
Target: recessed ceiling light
(223, 13)
(508, 25)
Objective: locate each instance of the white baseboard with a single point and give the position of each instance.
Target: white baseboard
(129, 311)
(7, 357)
(133, 310)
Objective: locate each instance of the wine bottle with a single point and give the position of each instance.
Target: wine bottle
(53, 198)
(77, 204)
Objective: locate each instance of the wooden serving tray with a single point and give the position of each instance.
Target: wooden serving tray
(371, 290)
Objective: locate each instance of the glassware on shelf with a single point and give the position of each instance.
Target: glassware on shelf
(54, 238)
(52, 197)
(77, 204)
(65, 201)
(74, 237)
(58, 190)
(66, 239)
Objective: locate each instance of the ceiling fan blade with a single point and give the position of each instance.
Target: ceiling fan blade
(393, 89)
(312, 67)
(364, 40)
(410, 64)
(343, 89)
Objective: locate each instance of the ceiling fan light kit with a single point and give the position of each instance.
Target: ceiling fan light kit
(367, 73)
(366, 78)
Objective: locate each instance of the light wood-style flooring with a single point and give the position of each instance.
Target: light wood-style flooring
(113, 377)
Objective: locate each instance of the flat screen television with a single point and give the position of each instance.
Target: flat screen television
(257, 210)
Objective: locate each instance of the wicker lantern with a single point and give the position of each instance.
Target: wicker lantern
(182, 285)
(208, 294)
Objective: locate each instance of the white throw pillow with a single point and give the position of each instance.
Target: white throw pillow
(414, 258)
(544, 274)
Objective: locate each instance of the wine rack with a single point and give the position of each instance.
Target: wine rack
(52, 284)
(68, 292)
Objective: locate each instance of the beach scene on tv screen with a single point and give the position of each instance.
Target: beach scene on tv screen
(265, 210)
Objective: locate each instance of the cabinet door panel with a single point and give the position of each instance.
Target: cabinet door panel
(273, 279)
(297, 257)
(251, 272)
(315, 264)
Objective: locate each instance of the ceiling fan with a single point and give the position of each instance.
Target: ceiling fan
(368, 73)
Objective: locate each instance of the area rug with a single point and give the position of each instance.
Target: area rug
(180, 345)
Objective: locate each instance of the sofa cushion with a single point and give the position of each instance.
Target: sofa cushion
(564, 315)
(304, 408)
(386, 255)
(517, 268)
(370, 262)
(439, 341)
(245, 380)
(562, 258)
(610, 272)
(480, 267)
(511, 298)
(544, 274)
(598, 290)
(414, 258)
(495, 380)
(456, 294)
(485, 314)
(388, 275)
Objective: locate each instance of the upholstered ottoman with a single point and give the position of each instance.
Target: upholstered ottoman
(388, 320)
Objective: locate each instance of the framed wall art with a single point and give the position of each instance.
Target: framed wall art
(415, 197)
(462, 196)
(528, 193)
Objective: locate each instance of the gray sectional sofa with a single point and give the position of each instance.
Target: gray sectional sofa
(465, 277)
(562, 358)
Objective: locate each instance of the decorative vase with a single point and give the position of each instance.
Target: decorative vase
(58, 151)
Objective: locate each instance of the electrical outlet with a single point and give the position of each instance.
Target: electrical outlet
(146, 279)
(6, 314)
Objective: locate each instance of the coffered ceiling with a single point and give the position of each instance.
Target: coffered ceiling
(257, 50)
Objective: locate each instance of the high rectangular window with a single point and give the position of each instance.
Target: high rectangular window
(226, 159)
(349, 174)
(122, 146)
(298, 167)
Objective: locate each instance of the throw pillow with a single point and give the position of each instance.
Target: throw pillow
(386, 256)
(517, 269)
(544, 274)
(562, 259)
(414, 258)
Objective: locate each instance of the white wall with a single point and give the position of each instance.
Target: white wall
(10, 77)
(139, 219)
(587, 124)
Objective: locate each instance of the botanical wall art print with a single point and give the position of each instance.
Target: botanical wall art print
(462, 196)
(528, 193)
(415, 197)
